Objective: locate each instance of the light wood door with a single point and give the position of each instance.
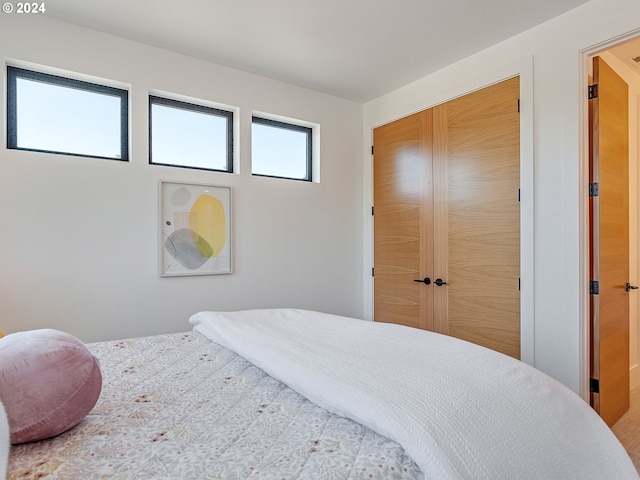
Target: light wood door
(476, 162)
(403, 246)
(446, 207)
(609, 224)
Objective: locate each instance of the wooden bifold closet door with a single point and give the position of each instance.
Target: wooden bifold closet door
(447, 219)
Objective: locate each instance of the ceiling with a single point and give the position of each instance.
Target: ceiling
(629, 53)
(355, 49)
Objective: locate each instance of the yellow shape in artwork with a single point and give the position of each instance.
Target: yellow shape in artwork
(208, 220)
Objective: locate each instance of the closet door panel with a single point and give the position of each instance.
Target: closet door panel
(402, 198)
(477, 217)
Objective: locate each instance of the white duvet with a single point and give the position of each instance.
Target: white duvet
(461, 411)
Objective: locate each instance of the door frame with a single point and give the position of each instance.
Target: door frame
(522, 67)
(585, 56)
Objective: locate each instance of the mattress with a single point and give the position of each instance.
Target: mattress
(178, 406)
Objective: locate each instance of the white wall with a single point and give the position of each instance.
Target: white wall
(558, 214)
(79, 237)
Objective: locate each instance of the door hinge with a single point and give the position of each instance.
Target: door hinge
(594, 385)
(372, 272)
(594, 287)
(371, 149)
(371, 210)
(593, 91)
(518, 194)
(518, 105)
(594, 189)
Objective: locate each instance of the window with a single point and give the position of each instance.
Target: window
(49, 113)
(192, 136)
(280, 149)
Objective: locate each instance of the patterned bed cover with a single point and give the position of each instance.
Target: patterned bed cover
(178, 406)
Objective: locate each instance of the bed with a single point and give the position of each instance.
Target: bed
(293, 394)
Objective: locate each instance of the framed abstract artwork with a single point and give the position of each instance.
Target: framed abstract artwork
(195, 229)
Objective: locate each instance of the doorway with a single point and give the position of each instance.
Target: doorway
(624, 59)
(430, 97)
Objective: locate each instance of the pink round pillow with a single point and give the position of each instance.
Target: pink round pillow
(49, 382)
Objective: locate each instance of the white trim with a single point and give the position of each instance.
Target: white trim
(634, 376)
(61, 72)
(527, 267)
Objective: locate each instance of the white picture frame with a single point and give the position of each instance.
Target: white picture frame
(195, 229)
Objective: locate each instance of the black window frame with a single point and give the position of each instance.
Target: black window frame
(13, 73)
(289, 126)
(193, 107)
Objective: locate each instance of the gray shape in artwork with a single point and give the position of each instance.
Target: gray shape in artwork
(181, 196)
(180, 244)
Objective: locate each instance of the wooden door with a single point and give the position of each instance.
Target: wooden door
(609, 246)
(476, 162)
(446, 208)
(403, 247)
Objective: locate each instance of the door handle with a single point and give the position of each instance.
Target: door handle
(439, 282)
(426, 281)
(631, 287)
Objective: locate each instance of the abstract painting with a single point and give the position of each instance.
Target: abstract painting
(195, 229)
